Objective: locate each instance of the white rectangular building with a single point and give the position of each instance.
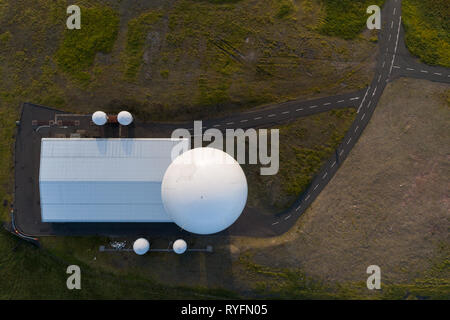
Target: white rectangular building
(104, 180)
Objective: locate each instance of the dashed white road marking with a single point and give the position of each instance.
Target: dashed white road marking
(368, 105)
(396, 45)
(316, 187)
(395, 10)
(230, 123)
(298, 208)
(410, 69)
(271, 115)
(424, 71)
(364, 99)
(396, 67)
(244, 120)
(363, 116)
(325, 175)
(355, 98)
(275, 223)
(390, 35)
(312, 107)
(438, 74)
(340, 101)
(287, 217)
(374, 91)
(257, 118)
(392, 24)
(356, 129)
(384, 63)
(327, 103)
(216, 125)
(349, 140)
(285, 112)
(334, 163)
(340, 153)
(299, 109)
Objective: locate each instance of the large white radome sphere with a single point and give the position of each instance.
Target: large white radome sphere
(99, 118)
(125, 118)
(141, 246)
(204, 190)
(180, 246)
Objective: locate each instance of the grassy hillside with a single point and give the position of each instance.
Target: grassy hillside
(175, 59)
(78, 49)
(427, 25)
(30, 273)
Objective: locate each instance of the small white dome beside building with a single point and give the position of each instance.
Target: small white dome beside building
(141, 246)
(179, 246)
(124, 118)
(99, 118)
(204, 190)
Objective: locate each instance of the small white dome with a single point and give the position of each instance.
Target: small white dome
(125, 118)
(99, 118)
(141, 246)
(204, 190)
(180, 246)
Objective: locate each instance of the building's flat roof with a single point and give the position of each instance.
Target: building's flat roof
(104, 180)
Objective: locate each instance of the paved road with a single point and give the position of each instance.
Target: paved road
(393, 61)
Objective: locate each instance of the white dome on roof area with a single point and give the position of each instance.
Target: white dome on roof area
(99, 118)
(125, 118)
(180, 246)
(204, 190)
(141, 246)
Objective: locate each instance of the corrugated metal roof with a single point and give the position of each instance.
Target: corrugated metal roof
(104, 180)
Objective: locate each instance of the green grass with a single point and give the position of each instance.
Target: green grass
(98, 33)
(286, 7)
(27, 272)
(346, 18)
(427, 26)
(303, 161)
(6, 164)
(305, 145)
(138, 30)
